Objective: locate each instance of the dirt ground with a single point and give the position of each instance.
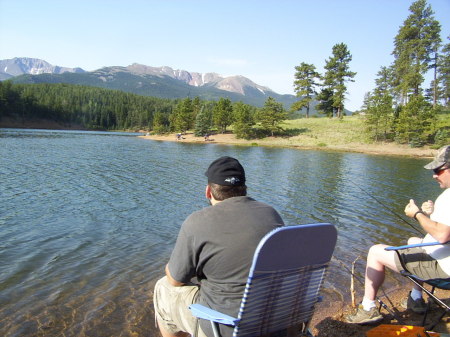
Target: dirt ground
(230, 139)
(329, 318)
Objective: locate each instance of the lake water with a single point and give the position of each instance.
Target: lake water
(88, 219)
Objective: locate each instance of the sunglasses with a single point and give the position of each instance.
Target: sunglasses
(440, 170)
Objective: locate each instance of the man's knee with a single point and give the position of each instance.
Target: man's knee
(376, 250)
(378, 257)
(171, 306)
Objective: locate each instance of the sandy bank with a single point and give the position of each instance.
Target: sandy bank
(230, 139)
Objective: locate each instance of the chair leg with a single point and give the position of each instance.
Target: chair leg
(431, 327)
(215, 329)
(444, 306)
(424, 318)
(391, 312)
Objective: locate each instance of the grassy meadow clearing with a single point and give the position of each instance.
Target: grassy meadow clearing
(332, 134)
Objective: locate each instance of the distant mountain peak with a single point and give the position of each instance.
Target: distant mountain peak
(26, 65)
(192, 78)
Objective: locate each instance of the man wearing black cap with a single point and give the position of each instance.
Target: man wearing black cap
(426, 262)
(215, 245)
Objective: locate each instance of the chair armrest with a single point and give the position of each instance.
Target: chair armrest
(414, 245)
(201, 311)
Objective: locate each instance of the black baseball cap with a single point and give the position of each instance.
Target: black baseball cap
(226, 171)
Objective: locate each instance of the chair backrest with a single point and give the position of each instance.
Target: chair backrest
(285, 278)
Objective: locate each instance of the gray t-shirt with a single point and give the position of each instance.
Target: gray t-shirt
(216, 245)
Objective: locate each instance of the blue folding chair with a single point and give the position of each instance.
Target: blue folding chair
(434, 283)
(282, 288)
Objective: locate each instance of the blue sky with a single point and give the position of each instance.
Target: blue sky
(261, 40)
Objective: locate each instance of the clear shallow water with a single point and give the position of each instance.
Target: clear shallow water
(88, 219)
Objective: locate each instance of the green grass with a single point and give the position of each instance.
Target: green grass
(319, 132)
(325, 132)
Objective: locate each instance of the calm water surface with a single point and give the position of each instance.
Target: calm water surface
(88, 219)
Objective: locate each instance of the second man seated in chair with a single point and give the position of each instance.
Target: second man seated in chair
(426, 262)
(215, 245)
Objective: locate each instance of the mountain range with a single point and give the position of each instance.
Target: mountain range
(163, 82)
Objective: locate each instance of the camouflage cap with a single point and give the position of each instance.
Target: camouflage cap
(442, 158)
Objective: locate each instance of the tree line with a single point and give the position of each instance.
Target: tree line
(105, 109)
(86, 107)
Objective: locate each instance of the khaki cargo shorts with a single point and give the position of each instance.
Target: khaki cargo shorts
(171, 307)
(419, 263)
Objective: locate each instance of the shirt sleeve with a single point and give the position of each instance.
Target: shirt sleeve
(183, 260)
(441, 210)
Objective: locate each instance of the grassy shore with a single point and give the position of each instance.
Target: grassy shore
(315, 133)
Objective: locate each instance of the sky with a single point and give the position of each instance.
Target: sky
(263, 40)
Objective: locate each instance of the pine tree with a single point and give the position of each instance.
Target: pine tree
(243, 120)
(379, 107)
(444, 75)
(337, 74)
(223, 114)
(305, 84)
(415, 51)
(271, 115)
(325, 101)
(184, 115)
(416, 122)
(203, 122)
(160, 123)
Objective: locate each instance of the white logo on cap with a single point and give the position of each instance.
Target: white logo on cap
(232, 180)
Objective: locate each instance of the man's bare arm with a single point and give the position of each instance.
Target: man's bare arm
(437, 230)
(171, 280)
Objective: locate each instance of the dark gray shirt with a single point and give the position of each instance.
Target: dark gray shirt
(216, 245)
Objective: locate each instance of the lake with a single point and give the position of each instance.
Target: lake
(88, 219)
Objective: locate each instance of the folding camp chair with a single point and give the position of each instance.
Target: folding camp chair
(282, 288)
(434, 283)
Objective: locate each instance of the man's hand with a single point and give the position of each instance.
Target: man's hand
(428, 207)
(411, 209)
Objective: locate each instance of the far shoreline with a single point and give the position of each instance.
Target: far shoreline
(385, 149)
(379, 148)
(299, 143)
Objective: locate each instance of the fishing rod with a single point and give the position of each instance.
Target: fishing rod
(389, 209)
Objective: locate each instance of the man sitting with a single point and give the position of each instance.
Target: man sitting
(425, 262)
(216, 246)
